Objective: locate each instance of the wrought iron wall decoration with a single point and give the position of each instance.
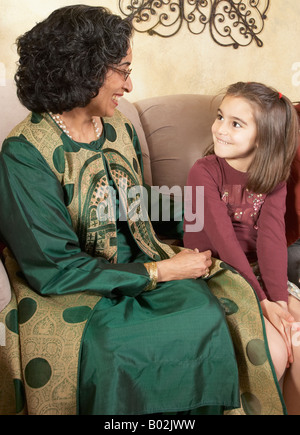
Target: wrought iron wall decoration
(231, 22)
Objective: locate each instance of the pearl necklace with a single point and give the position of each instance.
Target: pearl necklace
(62, 125)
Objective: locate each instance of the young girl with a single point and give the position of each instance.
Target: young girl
(292, 217)
(244, 176)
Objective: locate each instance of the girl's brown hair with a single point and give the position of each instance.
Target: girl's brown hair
(277, 134)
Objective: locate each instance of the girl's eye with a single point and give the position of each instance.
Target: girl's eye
(236, 124)
(220, 117)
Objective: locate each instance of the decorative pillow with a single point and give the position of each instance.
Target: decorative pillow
(5, 291)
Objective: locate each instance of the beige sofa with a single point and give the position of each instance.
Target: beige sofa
(173, 132)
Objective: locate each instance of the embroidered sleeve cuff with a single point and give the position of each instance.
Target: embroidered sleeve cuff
(152, 271)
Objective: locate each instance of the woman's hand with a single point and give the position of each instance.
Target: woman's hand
(185, 265)
(278, 315)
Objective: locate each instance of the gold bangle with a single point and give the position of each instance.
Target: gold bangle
(152, 271)
(207, 273)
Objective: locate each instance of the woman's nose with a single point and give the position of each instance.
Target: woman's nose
(128, 86)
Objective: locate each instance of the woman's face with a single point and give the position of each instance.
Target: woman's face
(234, 132)
(114, 87)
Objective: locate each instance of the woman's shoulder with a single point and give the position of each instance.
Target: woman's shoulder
(118, 118)
(118, 124)
(36, 129)
(33, 142)
(18, 140)
(18, 129)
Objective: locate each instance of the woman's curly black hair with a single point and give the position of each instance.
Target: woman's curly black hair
(64, 59)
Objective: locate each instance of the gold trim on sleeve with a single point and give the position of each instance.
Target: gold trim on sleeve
(152, 271)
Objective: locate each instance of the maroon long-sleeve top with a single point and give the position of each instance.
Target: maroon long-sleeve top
(241, 227)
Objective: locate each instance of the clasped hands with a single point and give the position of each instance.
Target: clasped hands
(188, 264)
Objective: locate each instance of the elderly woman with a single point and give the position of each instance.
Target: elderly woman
(154, 338)
(154, 342)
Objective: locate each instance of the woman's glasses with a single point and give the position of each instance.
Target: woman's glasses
(125, 73)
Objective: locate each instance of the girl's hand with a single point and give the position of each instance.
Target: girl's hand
(185, 265)
(279, 316)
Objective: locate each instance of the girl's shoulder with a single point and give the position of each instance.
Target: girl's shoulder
(206, 168)
(208, 162)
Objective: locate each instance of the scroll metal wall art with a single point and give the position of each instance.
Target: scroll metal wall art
(233, 23)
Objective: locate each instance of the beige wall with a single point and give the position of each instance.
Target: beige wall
(184, 63)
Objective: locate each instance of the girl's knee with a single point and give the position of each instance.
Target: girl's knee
(278, 350)
(279, 357)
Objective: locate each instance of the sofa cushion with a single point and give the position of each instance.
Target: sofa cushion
(129, 110)
(177, 130)
(5, 291)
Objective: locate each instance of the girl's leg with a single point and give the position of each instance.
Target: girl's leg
(291, 390)
(277, 349)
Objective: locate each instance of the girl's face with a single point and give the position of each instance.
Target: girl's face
(234, 133)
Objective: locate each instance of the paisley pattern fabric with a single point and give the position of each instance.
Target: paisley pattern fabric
(39, 362)
(81, 171)
(57, 348)
(259, 396)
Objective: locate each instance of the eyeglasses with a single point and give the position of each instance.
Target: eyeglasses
(125, 74)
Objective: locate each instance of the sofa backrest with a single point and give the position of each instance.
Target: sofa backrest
(12, 111)
(177, 129)
(174, 131)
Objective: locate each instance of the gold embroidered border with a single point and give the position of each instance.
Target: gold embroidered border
(153, 273)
